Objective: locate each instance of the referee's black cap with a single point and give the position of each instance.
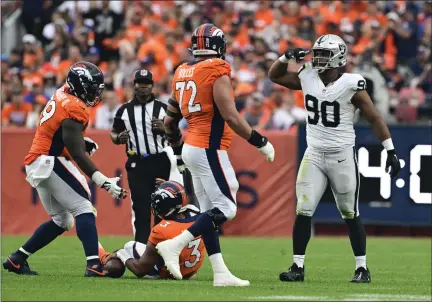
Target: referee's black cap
(143, 76)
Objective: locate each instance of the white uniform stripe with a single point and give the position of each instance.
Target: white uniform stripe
(126, 120)
(140, 131)
(148, 117)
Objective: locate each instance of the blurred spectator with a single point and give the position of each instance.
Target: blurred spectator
(409, 101)
(36, 94)
(306, 29)
(15, 113)
(388, 42)
(288, 114)
(128, 61)
(263, 83)
(74, 55)
(105, 113)
(106, 23)
(255, 113)
(405, 29)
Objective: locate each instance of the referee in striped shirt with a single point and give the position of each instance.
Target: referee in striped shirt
(138, 124)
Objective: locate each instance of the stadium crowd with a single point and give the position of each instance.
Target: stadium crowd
(389, 44)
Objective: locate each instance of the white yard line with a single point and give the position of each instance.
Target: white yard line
(350, 297)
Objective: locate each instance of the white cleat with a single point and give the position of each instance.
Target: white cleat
(168, 251)
(228, 279)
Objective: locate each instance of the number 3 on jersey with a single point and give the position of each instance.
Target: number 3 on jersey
(194, 245)
(48, 112)
(189, 85)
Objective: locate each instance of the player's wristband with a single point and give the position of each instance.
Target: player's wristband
(284, 59)
(388, 144)
(178, 150)
(257, 139)
(99, 178)
(123, 255)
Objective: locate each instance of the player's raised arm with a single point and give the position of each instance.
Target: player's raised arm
(363, 101)
(224, 99)
(74, 143)
(279, 74)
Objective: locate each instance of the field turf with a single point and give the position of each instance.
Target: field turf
(401, 270)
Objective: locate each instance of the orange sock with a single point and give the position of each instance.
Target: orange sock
(102, 254)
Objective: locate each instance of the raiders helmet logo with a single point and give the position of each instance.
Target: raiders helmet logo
(342, 48)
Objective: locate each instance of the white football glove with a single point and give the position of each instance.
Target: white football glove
(90, 145)
(180, 164)
(109, 184)
(268, 151)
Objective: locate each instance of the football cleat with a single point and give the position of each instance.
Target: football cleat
(15, 264)
(361, 275)
(94, 271)
(168, 250)
(228, 279)
(294, 274)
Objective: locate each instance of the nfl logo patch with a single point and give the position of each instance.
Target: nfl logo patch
(143, 72)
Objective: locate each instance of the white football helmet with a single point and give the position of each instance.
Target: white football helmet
(329, 52)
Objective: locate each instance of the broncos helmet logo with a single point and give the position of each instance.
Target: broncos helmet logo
(81, 71)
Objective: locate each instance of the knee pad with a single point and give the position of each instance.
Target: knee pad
(64, 220)
(217, 216)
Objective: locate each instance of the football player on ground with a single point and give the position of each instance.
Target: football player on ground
(143, 259)
(202, 93)
(331, 98)
(62, 189)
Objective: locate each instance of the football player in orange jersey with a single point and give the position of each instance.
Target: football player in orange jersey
(62, 189)
(202, 93)
(142, 259)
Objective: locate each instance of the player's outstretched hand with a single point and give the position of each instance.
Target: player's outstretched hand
(90, 145)
(392, 164)
(110, 185)
(263, 145)
(268, 151)
(297, 53)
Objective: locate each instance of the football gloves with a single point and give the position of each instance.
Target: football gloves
(109, 184)
(180, 164)
(263, 145)
(297, 53)
(90, 145)
(392, 164)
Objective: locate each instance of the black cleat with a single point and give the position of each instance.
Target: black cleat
(361, 275)
(94, 271)
(294, 274)
(17, 265)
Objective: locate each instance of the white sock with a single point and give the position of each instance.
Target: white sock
(218, 264)
(184, 238)
(360, 261)
(299, 260)
(24, 251)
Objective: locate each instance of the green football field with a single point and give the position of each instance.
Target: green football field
(401, 270)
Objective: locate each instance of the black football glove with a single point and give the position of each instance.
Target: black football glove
(393, 163)
(297, 53)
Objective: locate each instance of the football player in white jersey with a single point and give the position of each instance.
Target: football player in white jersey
(331, 98)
